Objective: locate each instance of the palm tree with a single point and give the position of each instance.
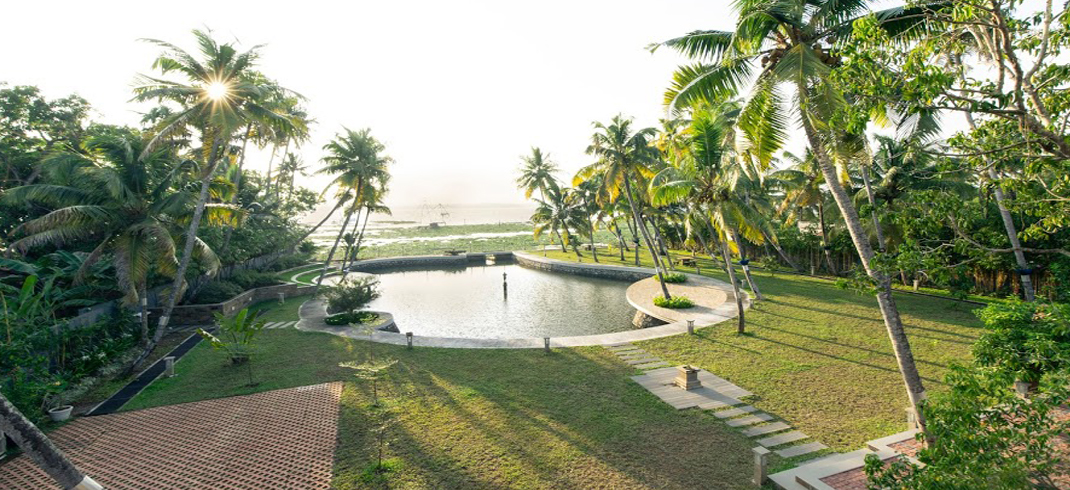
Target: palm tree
(559, 213)
(127, 205)
(624, 157)
(355, 159)
(589, 195)
(537, 174)
(804, 197)
(290, 166)
(220, 94)
(793, 42)
(41, 450)
(705, 177)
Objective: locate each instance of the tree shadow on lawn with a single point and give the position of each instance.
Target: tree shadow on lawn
(848, 346)
(570, 419)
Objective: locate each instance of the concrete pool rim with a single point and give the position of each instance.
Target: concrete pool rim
(313, 311)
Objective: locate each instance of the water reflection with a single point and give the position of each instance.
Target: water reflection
(469, 302)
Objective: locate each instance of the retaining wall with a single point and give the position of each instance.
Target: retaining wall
(619, 273)
(205, 314)
(371, 265)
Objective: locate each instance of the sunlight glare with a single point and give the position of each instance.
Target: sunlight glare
(217, 90)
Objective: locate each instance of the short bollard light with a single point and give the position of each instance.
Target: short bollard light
(282, 298)
(691, 327)
(546, 343)
(408, 340)
(761, 465)
(169, 367)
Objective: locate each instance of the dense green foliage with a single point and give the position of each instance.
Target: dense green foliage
(675, 302)
(675, 278)
(351, 294)
(357, 318)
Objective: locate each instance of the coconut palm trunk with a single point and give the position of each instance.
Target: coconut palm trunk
(594, 253)
(877, 230)
(780, 251)
(351, 251)
(1008, 225)
(646, 237)
(892, 322)
(143, 305)
(667, 263)
(187, 249)
(620, 240)
(825, 246)
(278, 178)
(237, 187)
(360, 237)
(318, 225)
(746, 268)
(741, 322)
(337, 239)
(41, 450)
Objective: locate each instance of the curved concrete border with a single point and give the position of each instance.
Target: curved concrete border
(313, 311)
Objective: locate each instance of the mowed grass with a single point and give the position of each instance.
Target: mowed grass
(819, 356)
(273, 311)
(485, 418)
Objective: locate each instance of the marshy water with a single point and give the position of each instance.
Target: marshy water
(469, 303)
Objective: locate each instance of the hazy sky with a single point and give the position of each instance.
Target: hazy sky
(457, 90)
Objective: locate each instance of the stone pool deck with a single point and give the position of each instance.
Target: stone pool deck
(710, 295)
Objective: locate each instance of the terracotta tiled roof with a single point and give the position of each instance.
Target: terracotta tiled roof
(281, 439)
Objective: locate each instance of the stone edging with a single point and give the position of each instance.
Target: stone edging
(312, 312)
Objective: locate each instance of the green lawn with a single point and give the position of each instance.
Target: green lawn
(815, 355)
(273, 311)
(819, 356)
(486, 418)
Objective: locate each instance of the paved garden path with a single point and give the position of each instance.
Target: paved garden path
(720, 395)
(276, 439)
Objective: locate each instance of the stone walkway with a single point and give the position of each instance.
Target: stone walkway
(719, 395)
(845, 471)
(277, 439)
(274, 325)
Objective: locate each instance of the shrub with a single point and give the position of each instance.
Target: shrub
(253, 279)
(217, 292)
(360, 317)
(235, 337)
(351, 294)
(288, 262)
(674, 277)
(676, 302)
(307, 247)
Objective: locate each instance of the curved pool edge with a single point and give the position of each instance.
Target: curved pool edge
(313, 311)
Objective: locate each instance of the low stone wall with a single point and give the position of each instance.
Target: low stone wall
(205, 314)
(630, 274)
(371, 265)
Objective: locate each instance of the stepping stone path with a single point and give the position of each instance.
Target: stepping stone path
(272, 325)
(719, 395)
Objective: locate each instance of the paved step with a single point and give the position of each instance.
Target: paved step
(782, 438)
(652, 365)
(766, 429)
(750, 420)
(634, 353)
(735, 412)
(800, 450)
(714, 405)
(642, 360)
(624, 346)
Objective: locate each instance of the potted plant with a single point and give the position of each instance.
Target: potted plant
(59, 410)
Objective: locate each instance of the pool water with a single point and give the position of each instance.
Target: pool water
(470, 303)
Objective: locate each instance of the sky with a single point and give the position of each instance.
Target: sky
(457, 91)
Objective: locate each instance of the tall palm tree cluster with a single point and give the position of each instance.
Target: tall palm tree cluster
(137, 200)
(716, 177)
